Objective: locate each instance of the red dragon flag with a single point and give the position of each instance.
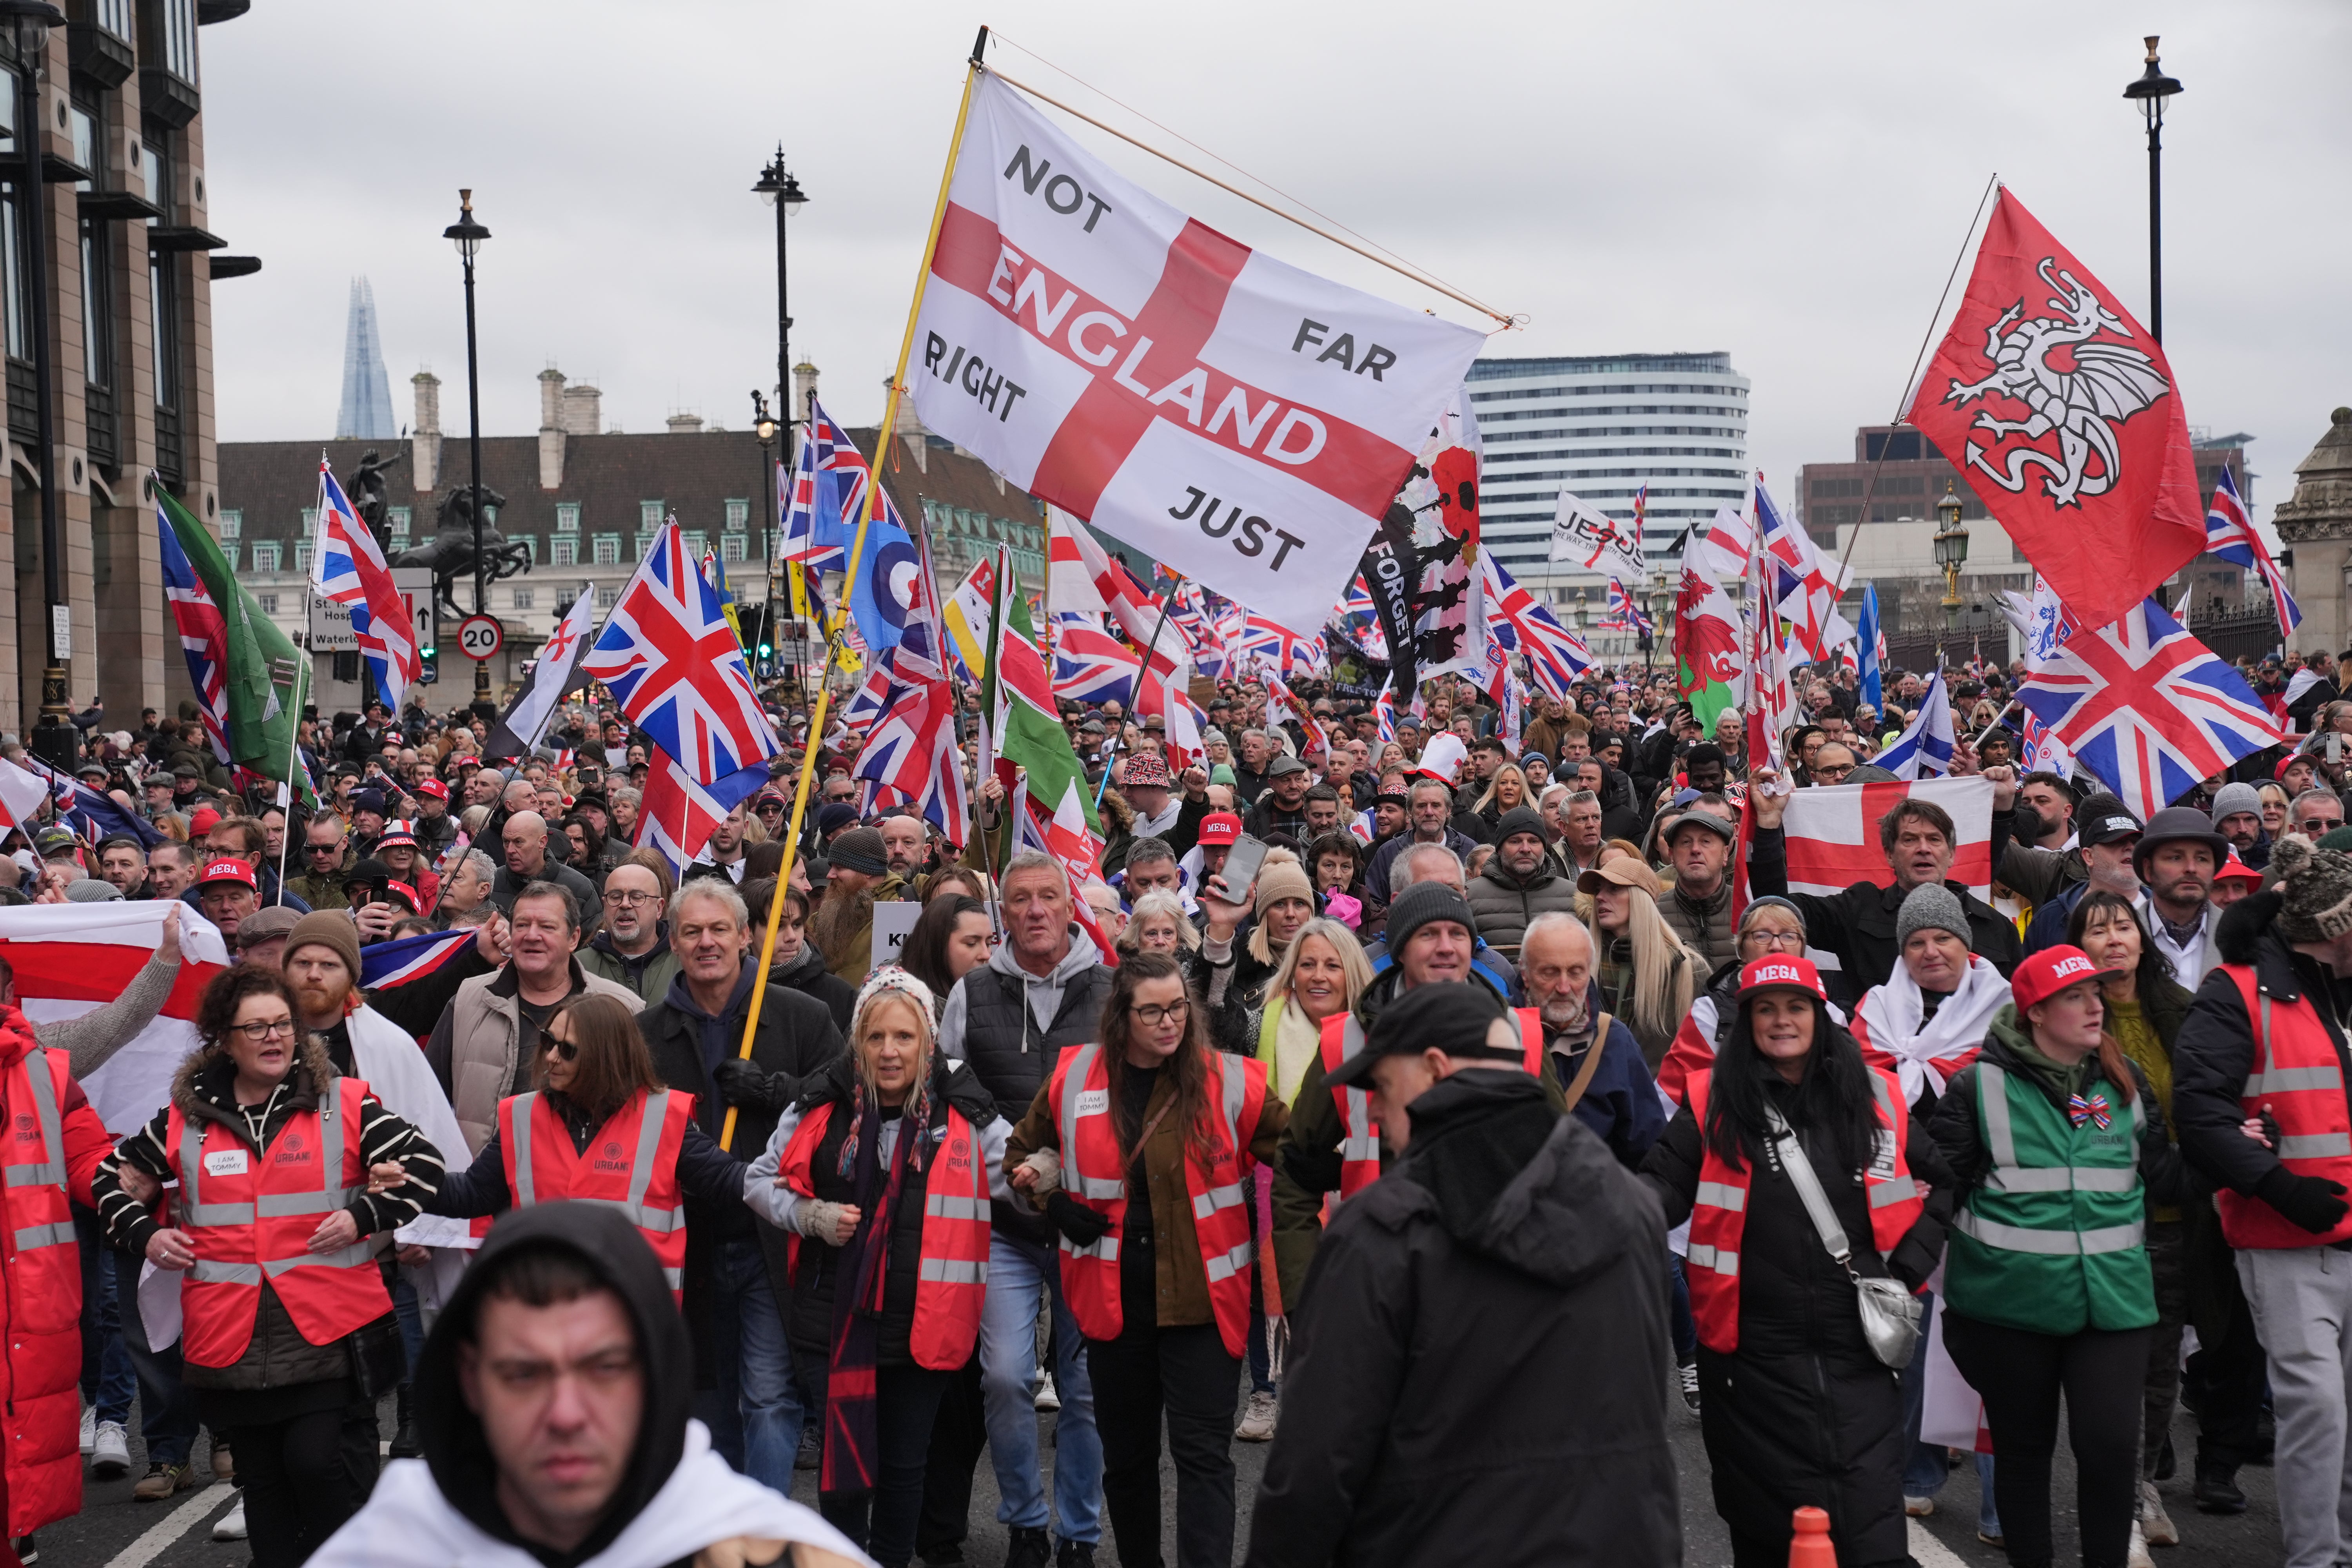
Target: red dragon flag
(2064, 413)
(1243, 421)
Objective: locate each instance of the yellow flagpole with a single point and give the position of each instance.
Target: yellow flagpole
(840, 617)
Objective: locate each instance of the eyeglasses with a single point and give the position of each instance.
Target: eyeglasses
(1834, 771)
(633, 898)
(1793, 941)
(268, 1029)
(563, 1049)
(1151, 1015)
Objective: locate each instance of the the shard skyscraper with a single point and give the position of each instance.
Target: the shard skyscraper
(366, 413)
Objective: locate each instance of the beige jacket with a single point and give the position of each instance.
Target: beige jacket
(485, 1044)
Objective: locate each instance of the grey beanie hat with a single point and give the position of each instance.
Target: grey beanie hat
(859, 850)
(1422, 903)
(2231, 799)
(2315, 889)
(1931, 906)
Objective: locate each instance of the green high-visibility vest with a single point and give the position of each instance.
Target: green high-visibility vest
(2053, 1242)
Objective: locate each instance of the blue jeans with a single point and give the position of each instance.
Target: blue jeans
(1008, 1362)
(758, 1425)
(1684, 1325)
(107, 1380)
(410, 1314)
(167, 1410)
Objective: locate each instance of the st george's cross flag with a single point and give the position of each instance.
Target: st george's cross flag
(2146, 708)
(2063, 412)
(349, 570)
(670, 659)
(2230, 534)
(524, 723)
(1246, 422)
(1831, 833)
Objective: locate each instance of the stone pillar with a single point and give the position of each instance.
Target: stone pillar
(2316, 522)
(551, 429)
(804, 390)
(424, 437)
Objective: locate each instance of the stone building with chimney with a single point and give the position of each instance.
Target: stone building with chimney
(2316, 523)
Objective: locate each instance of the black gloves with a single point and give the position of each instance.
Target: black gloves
(1081, 1225)
(2315, 1203)
(743, 1085)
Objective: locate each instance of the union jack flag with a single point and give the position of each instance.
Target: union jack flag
(911, 751)
(1555, 655)
(1282, 705)
(350, 571)
(1625, 612)
(1384, 714)
(2146, 708)
(827, 476)
(1267, 644)
(203, 634)
(868, 703)
(677, 815)
(1189, 613)
(671, 661)
(384, 965)
(92, 812)
(2230, 534)
(1805, 588)
(1089, 664)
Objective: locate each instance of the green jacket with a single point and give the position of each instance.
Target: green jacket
(2049, 1234)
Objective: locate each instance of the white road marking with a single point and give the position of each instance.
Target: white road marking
(1930, 1552)
(173, 1526)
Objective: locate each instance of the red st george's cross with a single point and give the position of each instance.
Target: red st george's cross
(669, 657)
(1832, 835)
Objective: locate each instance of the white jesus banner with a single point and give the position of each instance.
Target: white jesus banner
(1244, 422)
(1596, 542)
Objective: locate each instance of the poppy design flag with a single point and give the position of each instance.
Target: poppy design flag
(2064, 413)
(1245, 422)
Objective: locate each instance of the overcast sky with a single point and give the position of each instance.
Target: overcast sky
(1785, 183)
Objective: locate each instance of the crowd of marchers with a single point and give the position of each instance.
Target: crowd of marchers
(1492, 1042)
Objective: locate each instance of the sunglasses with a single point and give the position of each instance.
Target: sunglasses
(563, 1049)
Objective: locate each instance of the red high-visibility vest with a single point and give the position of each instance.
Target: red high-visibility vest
(1092, 1174)
(631, 1165)
(2296, 1074)
(1359, 1141)
(951, 1273)
(43, 1295)
(1719, 1215)
(250, 1212)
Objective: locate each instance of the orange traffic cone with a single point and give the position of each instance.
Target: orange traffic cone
(1810, 1548)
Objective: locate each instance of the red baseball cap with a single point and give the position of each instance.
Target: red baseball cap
(1220, 827)
(2043, 975)
(405, 894)
(1783, 972)
(204, 820)
(435, 788)
(2237, 869)
(230, 869)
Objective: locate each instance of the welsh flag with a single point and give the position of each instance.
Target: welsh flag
(1706, 643)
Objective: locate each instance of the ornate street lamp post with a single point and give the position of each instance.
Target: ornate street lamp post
(2152, 89)
(1951, 553)
(467, 236)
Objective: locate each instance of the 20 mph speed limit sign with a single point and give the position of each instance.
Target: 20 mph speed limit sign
(480, 636)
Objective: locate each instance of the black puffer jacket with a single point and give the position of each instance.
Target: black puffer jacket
(808, 975)
(1539, 1438)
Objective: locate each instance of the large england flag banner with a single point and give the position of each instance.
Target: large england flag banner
(1245, 422)
(71, 958)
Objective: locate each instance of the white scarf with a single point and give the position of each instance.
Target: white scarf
(1891, 1013)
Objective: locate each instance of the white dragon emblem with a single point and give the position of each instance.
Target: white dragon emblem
(2109, 383)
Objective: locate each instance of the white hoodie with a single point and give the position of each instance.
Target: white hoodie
(409, 1524)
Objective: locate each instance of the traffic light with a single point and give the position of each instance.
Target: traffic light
(429, 665)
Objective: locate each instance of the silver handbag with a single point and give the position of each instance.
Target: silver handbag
(1890, 1314)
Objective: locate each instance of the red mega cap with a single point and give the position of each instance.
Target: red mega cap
(230, 869)
(435, 788)
(1783, 972)
(1220, 827)
(2043, 975)
(2234, 866)
(204, 820)
(396, 889)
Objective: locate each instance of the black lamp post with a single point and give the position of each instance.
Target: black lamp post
(780, 191)
(2152, 89)
(467, 236)
(765, 426)
(27, 23)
